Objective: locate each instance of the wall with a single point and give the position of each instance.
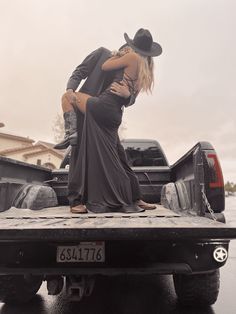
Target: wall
(45, 158)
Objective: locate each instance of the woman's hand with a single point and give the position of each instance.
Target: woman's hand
(120, 89)
(124, 51)
(120, 53)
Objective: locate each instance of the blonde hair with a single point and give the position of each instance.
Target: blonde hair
(145, 71)
(146, 76)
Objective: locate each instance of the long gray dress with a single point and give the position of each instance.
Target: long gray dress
(99, 179)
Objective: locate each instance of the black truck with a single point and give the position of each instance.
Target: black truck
(186, 236)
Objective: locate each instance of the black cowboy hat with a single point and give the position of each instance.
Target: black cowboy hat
(143, 43)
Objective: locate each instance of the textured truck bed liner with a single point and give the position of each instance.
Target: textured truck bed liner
(58, 224)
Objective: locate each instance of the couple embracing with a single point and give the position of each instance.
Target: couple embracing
(100, 179)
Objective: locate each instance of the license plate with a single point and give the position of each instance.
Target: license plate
(85, 252)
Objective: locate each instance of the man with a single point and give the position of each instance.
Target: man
(96, 82)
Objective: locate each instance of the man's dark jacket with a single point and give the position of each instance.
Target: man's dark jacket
(96, 79)
(90, 69)
(96, 82)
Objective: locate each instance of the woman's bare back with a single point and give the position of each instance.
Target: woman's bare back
(130, 63)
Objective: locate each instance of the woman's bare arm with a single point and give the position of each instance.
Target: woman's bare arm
(115, 62)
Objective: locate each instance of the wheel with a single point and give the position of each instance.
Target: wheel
(197, 290)
(35, 197)
(18, 288)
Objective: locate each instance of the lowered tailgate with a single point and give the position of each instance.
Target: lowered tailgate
(58, 224)
(54, 241)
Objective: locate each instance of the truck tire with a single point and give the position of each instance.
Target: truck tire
(197, 290)
(35, 197)
(18, 289)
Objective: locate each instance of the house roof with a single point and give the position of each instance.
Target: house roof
(20, 149)
(49, 150)
(33, 149)
(16, 137)
(51, 145)
(61, 152)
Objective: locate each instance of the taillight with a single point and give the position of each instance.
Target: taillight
(216, 176)
(214, 182)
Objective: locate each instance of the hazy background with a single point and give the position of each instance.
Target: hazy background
(194, 98)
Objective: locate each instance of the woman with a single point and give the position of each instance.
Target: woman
(100, 182)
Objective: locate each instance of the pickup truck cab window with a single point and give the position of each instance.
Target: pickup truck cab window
(144, 153)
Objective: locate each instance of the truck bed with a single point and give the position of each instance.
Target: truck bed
(58, 224)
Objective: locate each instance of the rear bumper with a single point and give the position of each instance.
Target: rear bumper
(157, 268)
(121, 257)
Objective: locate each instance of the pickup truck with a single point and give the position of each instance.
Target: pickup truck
(185, 236)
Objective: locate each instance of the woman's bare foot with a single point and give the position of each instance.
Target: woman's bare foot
(145, 205)
(79, 209)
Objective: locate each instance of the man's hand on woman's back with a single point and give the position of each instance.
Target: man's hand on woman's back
(120, 89)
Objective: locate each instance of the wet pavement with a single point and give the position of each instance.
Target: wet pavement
(138, 295)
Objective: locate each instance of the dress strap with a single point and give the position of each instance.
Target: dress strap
(130, 83)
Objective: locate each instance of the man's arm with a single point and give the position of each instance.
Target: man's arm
(84, 69)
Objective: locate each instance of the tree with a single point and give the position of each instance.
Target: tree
(230, 187)
(58, 128)
(234, 188)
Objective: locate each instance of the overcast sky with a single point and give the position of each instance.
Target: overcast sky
(194, 98)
